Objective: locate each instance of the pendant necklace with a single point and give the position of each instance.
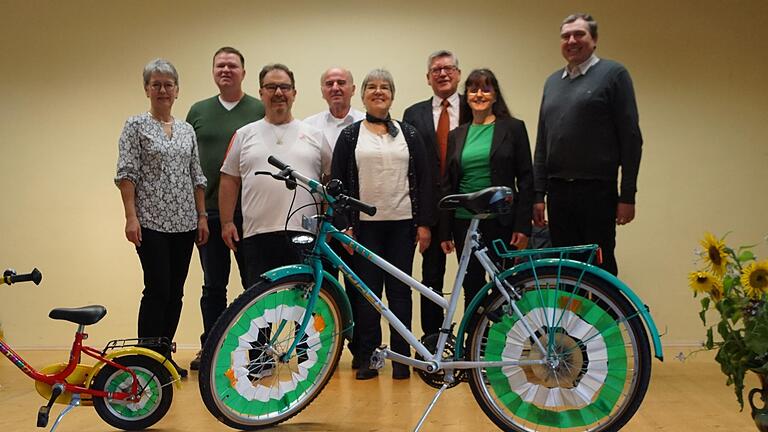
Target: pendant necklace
(279, 138)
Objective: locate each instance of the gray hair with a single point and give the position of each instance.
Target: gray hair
(160, 66)
(379, 74)
(442, 53)
(586, 17)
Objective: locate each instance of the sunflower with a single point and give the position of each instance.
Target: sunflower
(714, 253)
(754, 279)
(706, 282)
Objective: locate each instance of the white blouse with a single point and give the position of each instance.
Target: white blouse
(382, 165)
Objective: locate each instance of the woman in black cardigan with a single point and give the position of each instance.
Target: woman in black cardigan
(491, 150)
(383, 163)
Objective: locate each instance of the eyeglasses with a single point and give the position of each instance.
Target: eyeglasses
(437, 70)
(374, 87)
(478, 89)
(168, 86)
(273, 87)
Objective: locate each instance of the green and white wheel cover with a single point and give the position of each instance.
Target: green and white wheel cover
(232, 383)
(601, 382)
(122, 382)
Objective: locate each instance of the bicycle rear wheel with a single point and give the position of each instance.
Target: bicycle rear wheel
(245, 381)
(597, 350)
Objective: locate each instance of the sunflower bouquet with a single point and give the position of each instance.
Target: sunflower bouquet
(733, 283)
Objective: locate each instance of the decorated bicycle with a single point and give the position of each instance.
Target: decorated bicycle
(552, 343)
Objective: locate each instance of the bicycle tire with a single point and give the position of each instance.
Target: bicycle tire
(604, 356)
(236, 356)
(155, 400)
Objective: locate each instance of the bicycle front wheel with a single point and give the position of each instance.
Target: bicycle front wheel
(596, 362)
(246, 380)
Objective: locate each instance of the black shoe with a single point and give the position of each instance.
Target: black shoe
(180, 370)
(400, 371)
(195, 363)
(356, 361)
(365, 372)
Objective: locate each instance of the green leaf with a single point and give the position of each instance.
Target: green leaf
(756, 336)
(709, 344)
(746, 256)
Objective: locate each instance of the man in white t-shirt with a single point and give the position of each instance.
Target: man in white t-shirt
(265, 201)
(337, 87)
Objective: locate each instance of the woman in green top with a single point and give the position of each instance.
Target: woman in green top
(490, 149)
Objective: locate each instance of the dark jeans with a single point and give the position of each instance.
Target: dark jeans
(165, 260)
(490, 229)
(215, 258)
(394, 242)
(433, 274)
(263, 252)
(584, 212)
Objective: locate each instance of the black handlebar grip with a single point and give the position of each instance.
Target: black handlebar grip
(363, 207)
(35, 277)
(275, 162)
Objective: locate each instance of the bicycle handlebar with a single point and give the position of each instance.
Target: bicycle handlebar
(10, 277)
(287, 171)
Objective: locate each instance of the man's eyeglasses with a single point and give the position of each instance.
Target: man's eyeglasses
(437, 70)
(273, 87)
(168, 86)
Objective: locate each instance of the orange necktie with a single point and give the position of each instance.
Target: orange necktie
(443, 127)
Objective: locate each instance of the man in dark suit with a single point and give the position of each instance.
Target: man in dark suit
(434, 118)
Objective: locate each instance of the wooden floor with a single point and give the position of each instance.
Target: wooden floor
(689, 396)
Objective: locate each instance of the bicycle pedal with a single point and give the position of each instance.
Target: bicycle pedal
(42, 416)
(378, 356)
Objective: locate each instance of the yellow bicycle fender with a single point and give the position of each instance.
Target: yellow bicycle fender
(142, 352)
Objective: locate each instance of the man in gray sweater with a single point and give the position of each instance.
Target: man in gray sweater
(588, 129)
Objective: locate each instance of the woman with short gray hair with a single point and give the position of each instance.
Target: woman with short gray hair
(383, 163)
(162, 187)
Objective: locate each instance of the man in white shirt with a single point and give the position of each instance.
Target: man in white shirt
(337, 87)
(266, 202)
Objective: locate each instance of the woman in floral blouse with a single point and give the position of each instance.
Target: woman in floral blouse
(162, 187)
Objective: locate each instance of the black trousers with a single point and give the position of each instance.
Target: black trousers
(584, 212)
(165, 260)
(352, 294)
(433, 275)
(216, 260)
(393, 241)
(263, 252)
(490, 229)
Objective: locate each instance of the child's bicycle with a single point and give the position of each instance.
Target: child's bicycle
(129, 385)
(549, 344)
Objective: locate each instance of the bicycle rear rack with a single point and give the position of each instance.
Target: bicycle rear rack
(159, 344)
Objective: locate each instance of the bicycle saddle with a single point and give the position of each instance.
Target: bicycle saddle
(492, 200)
(83, 315)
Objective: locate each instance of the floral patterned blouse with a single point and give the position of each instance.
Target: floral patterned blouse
(164, 170)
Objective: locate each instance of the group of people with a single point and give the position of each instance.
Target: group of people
(185, 182)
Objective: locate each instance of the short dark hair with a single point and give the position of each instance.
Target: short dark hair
(275, 66)
(586, 17)
(479, 78)
(230, 50)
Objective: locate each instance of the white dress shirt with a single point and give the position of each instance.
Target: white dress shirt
(453, 110)
(332, 126)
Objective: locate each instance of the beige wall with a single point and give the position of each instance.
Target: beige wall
(71, 76)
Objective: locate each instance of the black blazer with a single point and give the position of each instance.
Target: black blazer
(510, 166)
(419, 115)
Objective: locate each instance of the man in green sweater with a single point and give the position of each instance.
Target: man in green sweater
(215, 121)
